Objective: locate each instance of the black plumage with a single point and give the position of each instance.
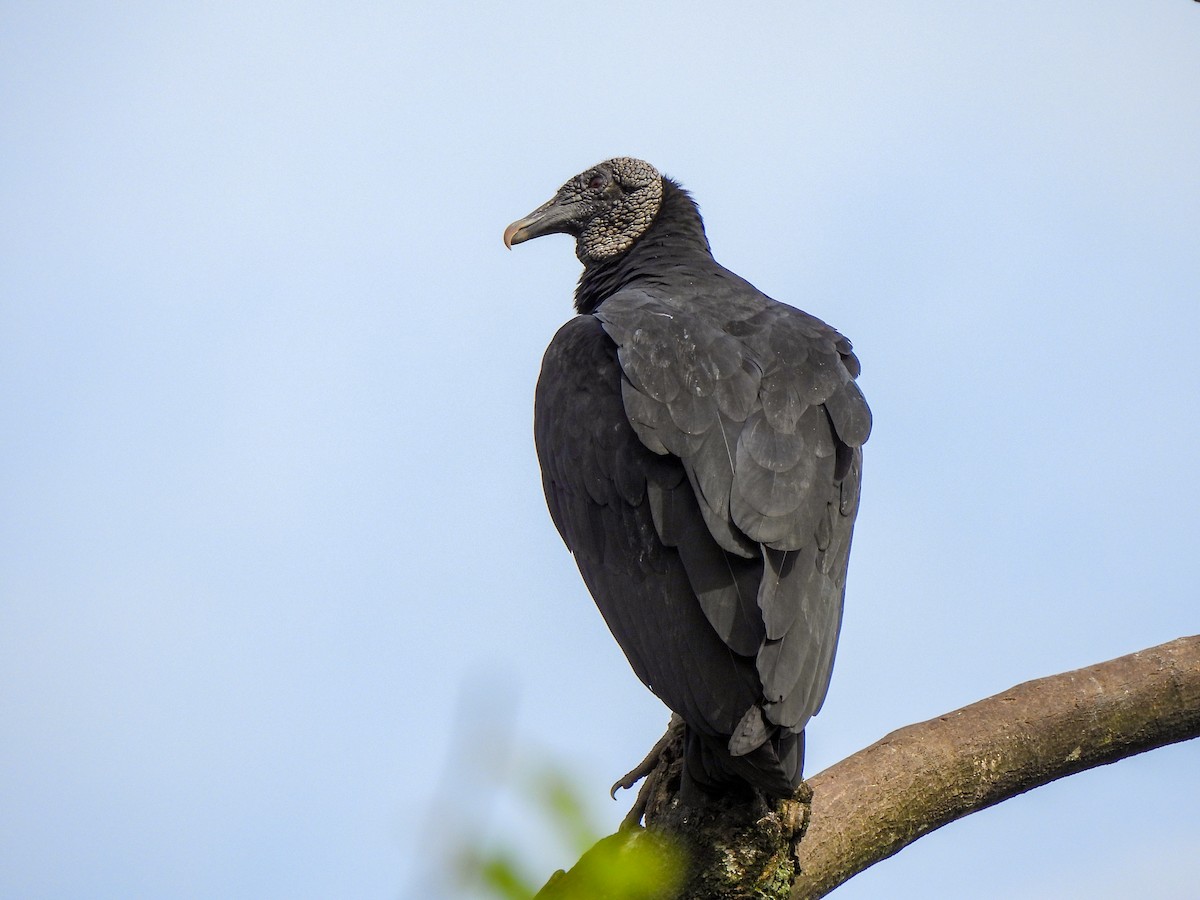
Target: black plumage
(701, 453)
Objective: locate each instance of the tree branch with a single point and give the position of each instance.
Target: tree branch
(871, 805)
(874, 803)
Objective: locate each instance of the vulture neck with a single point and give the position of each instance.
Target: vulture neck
(674, 243)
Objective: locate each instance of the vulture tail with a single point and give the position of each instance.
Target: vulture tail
(774, 768)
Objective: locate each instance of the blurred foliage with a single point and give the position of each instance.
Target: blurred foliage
(623, 866)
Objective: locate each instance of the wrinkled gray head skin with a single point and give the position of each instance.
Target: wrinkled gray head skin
(605, 209)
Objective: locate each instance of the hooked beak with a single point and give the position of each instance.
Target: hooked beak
(549, 218)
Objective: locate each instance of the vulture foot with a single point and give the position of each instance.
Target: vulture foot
(652, 768)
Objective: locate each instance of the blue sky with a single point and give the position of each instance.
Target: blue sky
(281, 610)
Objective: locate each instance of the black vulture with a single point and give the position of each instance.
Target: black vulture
(701, 454)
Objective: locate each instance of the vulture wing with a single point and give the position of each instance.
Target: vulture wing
(701, 458)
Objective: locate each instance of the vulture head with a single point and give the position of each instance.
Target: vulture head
(605, 209)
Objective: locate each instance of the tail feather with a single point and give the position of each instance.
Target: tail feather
(775, 768)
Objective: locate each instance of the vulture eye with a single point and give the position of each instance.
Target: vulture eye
(597, 181)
